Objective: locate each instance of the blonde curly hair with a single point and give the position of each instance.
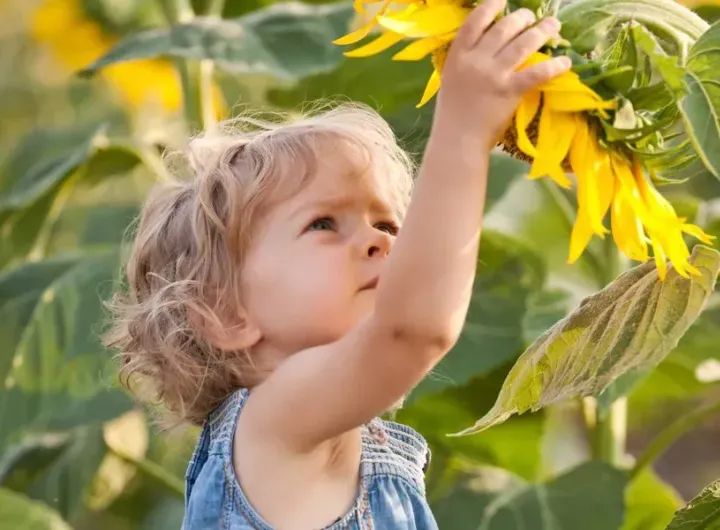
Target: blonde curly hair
(187, 255)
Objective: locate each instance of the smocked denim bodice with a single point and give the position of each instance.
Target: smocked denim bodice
(391, 493)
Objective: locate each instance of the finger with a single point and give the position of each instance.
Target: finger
(478, 22)
(538, 74)
(505, 30)
(529, 41)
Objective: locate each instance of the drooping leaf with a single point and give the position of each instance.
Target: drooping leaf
(665, 64)
(29, 182)
(622, 52)
(701, 513)
(700, 108)
(287, 40)
(588, 497)
(649, 503)
(586, 23)
(630, 325)
(507, 274)
(92, 227)
(17, 511)
(57, 475)
(44, 172)
(53, 363)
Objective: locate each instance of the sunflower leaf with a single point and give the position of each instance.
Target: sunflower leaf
(622, 52)
(703, 512)
(666, 65)
(288, 40)
(630, 325)
(653, 97)
(18, 511)
(700, 109)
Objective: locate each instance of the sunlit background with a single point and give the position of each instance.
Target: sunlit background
(70, 438)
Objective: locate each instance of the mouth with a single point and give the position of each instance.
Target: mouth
(372, 284)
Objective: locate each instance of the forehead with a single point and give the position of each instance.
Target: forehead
(339, 176)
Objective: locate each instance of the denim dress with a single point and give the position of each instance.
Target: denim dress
(391, 493)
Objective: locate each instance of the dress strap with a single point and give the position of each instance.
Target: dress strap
(221, 423)
(396, 449)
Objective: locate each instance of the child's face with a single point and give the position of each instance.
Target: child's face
(310, 272)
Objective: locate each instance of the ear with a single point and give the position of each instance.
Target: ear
(232, 334)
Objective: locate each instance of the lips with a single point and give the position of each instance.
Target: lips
(372, 284)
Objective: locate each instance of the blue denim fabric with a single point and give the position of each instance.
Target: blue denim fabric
(391, 491)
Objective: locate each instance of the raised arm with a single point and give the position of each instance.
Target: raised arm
(424, 292)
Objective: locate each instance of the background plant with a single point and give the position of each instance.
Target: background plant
(77, 157)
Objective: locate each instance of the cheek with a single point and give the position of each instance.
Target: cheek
(290, 285)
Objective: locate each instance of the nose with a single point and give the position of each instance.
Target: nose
(378, 243)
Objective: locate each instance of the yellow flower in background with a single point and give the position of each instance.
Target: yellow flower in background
(559, 113)
(76, 41)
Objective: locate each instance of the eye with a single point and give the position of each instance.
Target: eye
(321, 223)
(391, 227)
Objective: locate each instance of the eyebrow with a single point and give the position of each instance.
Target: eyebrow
(340, 203)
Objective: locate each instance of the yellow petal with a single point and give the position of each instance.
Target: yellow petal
(574, 101)
(627, 230)
(661, 260)
(431, 89)
(379, 45)
(524, 115)
(362, 32)
(419, 49)
(427, 22)
(581, 234)
(603, 186)
(357, 35)
(698, 233)
(555, 135)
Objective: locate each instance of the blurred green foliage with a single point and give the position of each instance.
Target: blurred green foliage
(77, 156)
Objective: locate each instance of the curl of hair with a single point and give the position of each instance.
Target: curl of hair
(186, 259)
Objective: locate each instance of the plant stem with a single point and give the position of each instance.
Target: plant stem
(672, 433)
(608, 432)
(190, 80)
(196, 77)
(177, 11)
(215, 8)
(152, 470)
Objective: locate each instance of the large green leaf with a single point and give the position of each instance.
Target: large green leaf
(701, 107)
(588, 497)
(650, 503)
(508, 273)
(701, 513)
(17, 511)
(53, 362)
(55, 468)
(630, 325)
(39, 168)
(587, 22)
(287, 40)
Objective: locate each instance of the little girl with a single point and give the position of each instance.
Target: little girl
(274, 299)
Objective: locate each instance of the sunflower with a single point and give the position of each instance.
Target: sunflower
(76, 41)
(556, 127)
